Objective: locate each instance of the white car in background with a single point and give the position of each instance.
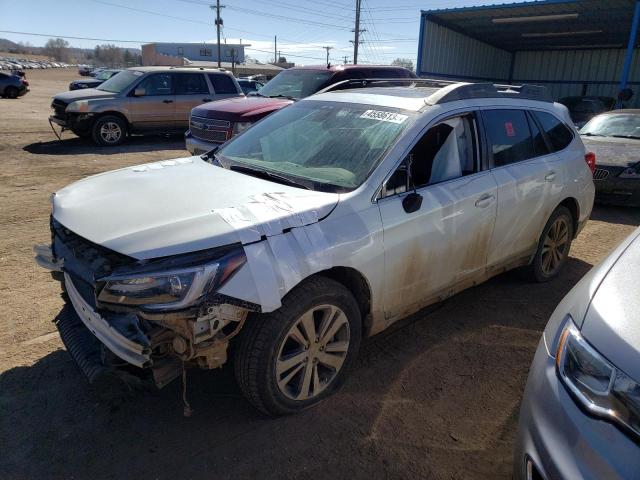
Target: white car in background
(322, 224)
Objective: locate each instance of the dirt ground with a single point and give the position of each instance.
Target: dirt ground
(437, 397)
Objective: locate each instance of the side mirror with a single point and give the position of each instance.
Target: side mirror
(412, 202)
(139, 92)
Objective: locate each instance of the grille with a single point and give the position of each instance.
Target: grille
(600, 174)
(209, 129)
(59, 107)
(98, 260)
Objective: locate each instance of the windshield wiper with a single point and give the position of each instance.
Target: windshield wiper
(261, 173)
(289, 97)
(589, 134)
(635, 137)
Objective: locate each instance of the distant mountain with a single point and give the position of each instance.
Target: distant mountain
(7, 45)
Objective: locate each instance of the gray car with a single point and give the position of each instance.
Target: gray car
(141, 100)
(580, 417)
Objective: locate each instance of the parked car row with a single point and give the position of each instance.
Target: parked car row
(12, 63)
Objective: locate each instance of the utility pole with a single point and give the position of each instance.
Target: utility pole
(218, 24)
(275, 49)
(357, 31)
(346, 59)
(327, 49)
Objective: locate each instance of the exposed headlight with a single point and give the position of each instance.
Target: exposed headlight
(78, 106)
(631, 172)
(240, 127)
(169, 290)
(599, 386)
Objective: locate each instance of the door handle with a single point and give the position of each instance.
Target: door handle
(167, 101)
(550, 177)
(485, 201)
(206, 99)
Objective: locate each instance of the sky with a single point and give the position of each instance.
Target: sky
(303, 27)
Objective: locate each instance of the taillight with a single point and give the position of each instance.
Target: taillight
(25, 83)
(590, 158)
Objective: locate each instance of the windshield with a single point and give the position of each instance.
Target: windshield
(614, 125)
(120, 81)
(296, 83)
(104, 75)
(333, 145)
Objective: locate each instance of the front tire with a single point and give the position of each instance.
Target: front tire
(553, 246)
(295, 357)
(109, 131)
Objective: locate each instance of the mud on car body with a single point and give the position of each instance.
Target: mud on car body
(322, 224)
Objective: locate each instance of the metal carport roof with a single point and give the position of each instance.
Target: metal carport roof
(544, 24)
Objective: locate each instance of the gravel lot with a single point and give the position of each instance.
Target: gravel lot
(436, 397)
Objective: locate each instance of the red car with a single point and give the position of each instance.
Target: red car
(214, 123)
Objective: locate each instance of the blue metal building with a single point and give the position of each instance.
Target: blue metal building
(574, 47)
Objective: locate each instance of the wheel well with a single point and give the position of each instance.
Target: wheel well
(115, 114)
(357, 284)
(572, 205)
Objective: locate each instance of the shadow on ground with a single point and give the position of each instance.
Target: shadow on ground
(434, 397)
(619, 215)
(134, 144)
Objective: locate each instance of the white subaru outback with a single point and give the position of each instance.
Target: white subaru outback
(320, 225)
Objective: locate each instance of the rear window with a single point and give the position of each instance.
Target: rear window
(508, 135)
(222, 83)
(558, 133)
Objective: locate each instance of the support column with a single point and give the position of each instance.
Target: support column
(624, 80)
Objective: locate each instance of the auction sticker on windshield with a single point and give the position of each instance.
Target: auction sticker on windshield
(384, 116)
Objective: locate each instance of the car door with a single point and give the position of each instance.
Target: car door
(191, 90)
(442, 246)
(152, 103)
(524, 172)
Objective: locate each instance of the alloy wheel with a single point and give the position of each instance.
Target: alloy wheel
(312, 352)
(110, 132)
(555, 247)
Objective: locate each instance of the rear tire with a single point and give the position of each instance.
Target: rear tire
(553, 247)
(11, 92)
(293, 358)
(109, 131)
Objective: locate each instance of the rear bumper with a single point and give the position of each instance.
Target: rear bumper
(618, 191)
(561, 440)
(23, 91)
(197, 146)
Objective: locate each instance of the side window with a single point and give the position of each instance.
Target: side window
(446, 151)
(539, 143)
(222, 83)
(190, 84)
(156, 84)
(558, 133)
(508, 136)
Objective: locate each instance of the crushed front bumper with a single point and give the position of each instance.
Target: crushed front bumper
(126, 349)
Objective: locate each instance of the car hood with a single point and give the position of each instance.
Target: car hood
(172, 207)
(613, 152)
(86, 94)
(612, 322)
(240, 109)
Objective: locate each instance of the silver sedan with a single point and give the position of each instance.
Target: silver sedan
(580, 417)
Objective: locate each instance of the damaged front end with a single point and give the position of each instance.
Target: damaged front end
(143, 320)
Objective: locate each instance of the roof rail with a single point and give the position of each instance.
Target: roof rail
(385, 82)
(450, 91)
(465, 91)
